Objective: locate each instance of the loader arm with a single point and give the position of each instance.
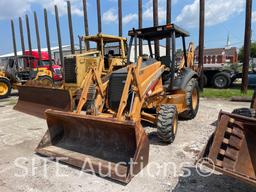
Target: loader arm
(93, 76)
(190, 57)
(141, 81)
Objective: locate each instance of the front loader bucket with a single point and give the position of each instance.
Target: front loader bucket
(105, 146)
(232, 148)
(36, 100)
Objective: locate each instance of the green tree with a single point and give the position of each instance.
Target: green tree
(253, 52)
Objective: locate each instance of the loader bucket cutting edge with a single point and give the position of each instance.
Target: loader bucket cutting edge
(231, 150)
(36, 100)
(107, 147)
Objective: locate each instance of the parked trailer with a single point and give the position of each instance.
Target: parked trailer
(219, 75)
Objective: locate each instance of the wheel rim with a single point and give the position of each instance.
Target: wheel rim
(220, 82)
(3, 89)
(194, 99)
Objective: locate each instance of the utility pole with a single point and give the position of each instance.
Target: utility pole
(247, 45)
(48, 41)
(71, 34)
(168, 22)
(140, 26)
(59, 36)
(38, 40)
(155, 19)
(14, 39)
(22, 36)
(99, 17)
(201, 44)
(120, 17)
(86, 28)
(29, 35)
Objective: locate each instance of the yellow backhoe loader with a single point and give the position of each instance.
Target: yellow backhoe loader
(18, 71)
(109, 54)
(109, 139)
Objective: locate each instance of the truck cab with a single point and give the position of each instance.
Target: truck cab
(45, 64)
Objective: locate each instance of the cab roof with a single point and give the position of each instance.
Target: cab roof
(106, 38)
(159, 32)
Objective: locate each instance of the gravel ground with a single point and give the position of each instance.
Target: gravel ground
(23, 171)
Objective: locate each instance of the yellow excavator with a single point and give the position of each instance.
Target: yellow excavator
(108, 54)
(108, 137)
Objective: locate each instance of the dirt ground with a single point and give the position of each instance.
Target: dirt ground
(23, 171)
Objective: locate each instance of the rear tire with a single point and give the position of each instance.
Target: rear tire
(5, 88)
(167, 123)
(221, 80)
(192, 100)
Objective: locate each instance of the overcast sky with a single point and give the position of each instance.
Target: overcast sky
(223, 17)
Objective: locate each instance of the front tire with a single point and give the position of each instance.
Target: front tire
(5, 88)
(167, 123)
(192, 100)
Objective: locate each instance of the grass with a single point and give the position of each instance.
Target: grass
(225, 93)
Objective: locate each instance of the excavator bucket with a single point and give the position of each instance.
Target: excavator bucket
(36, 100)
(104, 146)
(232, 148)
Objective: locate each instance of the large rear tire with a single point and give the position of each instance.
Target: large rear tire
(221, 80)
(192, 100)
(167, 123)
(5, 88)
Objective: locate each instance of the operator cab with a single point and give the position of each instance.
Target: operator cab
(174, 59)
(110, 47)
